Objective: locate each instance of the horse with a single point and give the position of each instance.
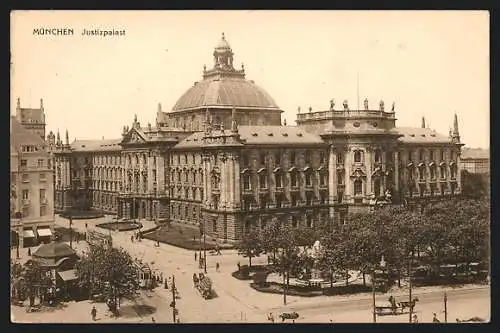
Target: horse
(408, 304)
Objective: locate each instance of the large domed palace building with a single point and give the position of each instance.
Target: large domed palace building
(223, 159)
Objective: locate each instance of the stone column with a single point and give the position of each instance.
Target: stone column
(332, 179)
(236, 182)
(369, 169)
(396, 171)
(349, 186)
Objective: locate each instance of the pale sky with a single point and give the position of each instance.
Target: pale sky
(431, 63)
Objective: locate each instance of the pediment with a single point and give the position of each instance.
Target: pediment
(358, 173)
(134, 137)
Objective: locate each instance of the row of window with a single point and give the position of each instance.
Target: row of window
(42, 211)
(281, 177)
(185, 158)
(265, 157)
(195, 193)
(422, 172)
(193, 176)
(41, 192)
(295, 200)
(40, 163)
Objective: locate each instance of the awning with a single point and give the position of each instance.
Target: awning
(28, 233)
(44, 232)
(68, 275)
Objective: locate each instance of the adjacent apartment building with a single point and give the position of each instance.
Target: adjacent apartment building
(31, 179)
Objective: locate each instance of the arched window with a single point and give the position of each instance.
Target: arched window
(246, 181)
(433, 172)
(442, 169)
(308, 179)
(278, 175)
(262, 180)
(421, 171)
(358, 187)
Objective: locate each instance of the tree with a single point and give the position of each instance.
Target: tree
(250, 246)
(474, 185)
(283, 243)
(34, 280)
(109, 271)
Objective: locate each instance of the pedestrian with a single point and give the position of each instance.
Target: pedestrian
(153, 320)
(166, 284)
(217, 266)
(239, 266)
(270, 317)
(435, 319)
(29, 251)
(132, 238)
(415, 319)
(93, 313)
(161, 277)
(195, 255)
(86, 225)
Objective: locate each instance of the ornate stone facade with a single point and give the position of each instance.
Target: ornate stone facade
(221, 160)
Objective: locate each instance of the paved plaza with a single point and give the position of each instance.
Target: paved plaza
(236, 301)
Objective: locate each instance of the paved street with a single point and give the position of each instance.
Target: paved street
(237, 302)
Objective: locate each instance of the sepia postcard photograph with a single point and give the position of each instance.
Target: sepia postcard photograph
(250, 166)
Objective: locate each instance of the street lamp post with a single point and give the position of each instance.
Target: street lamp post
(173, 298)
(70, 230)
(382, 265)
(409, 288)
(445, 307)
(204, 249)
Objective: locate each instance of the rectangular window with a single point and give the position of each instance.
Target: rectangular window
(322, 179)
(340, 158)
(278, 180)
(293, 179)
(43, 210)
(357, 156)
(292, 157)
(24, 163)
(277, 159)
(12, 178)
(262, 158)
(442, 155)
(308, 157)
(322, 157)
(26, 212)
(26, 194)
(431, 157)
(42, 177)
(42, 195)
(26, 178)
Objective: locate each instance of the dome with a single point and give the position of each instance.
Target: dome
(225, 91)
(222, 45)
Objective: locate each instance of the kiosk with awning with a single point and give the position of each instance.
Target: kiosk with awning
(29, 237)
(44, 234)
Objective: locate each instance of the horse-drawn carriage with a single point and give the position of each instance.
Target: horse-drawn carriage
(289, 315)
(203, 284)
(393, 307)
